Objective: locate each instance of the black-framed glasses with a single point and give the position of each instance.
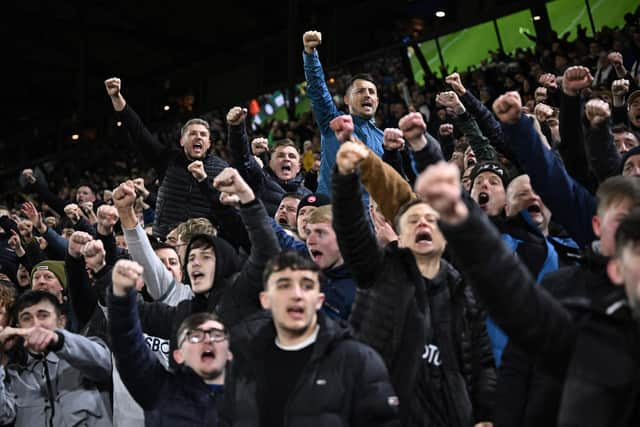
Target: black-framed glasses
(198, 335)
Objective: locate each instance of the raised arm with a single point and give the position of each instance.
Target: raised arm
(84, 299)
(322, 103)
(602, 152)
(140, 369)
(531, 317)
(572, 205)
(357, 242)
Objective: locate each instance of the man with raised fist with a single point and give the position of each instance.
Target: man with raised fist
(361, 100)
(186, 190)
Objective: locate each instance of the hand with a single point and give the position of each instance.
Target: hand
(140, 189)
(8, 337)
(620, 87)
(548, 81)
(107, 218)
(126, 275)
(259, 146)
(615, 58)
(392, 139)
(384, 231)
(230, 182)
(30, 211)
(445, 129)
(87, 207)
(575, 79)
(343, 127)
(508, 107)
(29, 176)
(349, 157)
(229, 200)
(543, 112)
(236, 116)
(124, 196)
(94, 255)
(42, 243)
(107, 196)
(439, 185)
(413, 127)
(451, 101)
(16, 244)
(77, 241)
(113, 86)
(196, 169)
(311, 40)
(540, 94)
(72, 211)
(37, 339)
(597, 111)
(454, 81)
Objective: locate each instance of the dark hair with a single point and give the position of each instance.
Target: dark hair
(157, 244)
(31, 298)
(291, 260)
(89, 185)
(285, 143)
(628, 232)
(194, 321)
(618, 189)
(619, 128)
(291, 195)
(360, 76)
(403, 209)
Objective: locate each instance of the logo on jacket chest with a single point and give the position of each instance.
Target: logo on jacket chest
(431, 355)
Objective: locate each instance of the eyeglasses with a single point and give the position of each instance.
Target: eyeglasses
(196, 336)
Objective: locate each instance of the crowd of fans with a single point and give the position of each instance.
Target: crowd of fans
(463, 253)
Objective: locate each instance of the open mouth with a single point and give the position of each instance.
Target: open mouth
(483, 200)
(197, 275)
(534, 209)
(471, 161)
(296, 312)
(423, 237)
(198, 147)
(208, 356)
(367, 104)
(282, 220)
(316, 255)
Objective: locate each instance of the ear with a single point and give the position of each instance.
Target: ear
(62, 321)
(596, 225)
(183, 140)
(264, 300)
(614, 273)
(177, 356)
(346, 99)
(320, 301)
(229, 356)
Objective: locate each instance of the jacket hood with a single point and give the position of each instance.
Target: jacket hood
(227, 260)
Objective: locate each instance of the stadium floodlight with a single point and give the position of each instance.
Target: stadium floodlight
(441, 14)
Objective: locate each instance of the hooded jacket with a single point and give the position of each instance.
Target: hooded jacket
(344, 383)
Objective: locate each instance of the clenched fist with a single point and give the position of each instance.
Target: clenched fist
(540, 94)
(349, 157)
(445, 129)
(113, 86)
(94, 255)
(597, 111)
(575, 79)
(343, 127)
(413, 127)
(230, 183)
(126, 275)
(196, 169)
(615, 58)
(392, 139)
(236, 116)
(72, 211)
(439, 185)
(259, 146)
(548, 81)
(311, 40)
(455, 82)
(451, 101)
(107, 218)
(620, 87)
(77, 241)
(29, 176)
(124, 196)
(543, 112)
(508, 107)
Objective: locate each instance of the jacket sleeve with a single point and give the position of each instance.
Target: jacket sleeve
(602, 152)
(385, 185)
(467, 125)
(110, 247)
(619, 115)
(429, 155)
(91, 356)
(572, 147)
(375, 401)
(242, 159)
(46, 195)
(528, 314)
(242, 299)
(83, 296)
(7, 400)
(56, 244)
(357, 242)
(160, 283)
(571, 204)
(489, 126)
(144, 140)
(140, 370)
(322, 103)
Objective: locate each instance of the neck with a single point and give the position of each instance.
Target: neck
(429, 265)
(287, 339)
(219, 380)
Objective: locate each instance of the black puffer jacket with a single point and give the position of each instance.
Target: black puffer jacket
(386, 314)
(345, 383)
(180, 196)
(586, 339)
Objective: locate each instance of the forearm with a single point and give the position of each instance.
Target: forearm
(572, 146)
(56, 244)
(384, 185)
(90, 356)
(603, 154)
(429, 155)
(322, 103)
(84, 298)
